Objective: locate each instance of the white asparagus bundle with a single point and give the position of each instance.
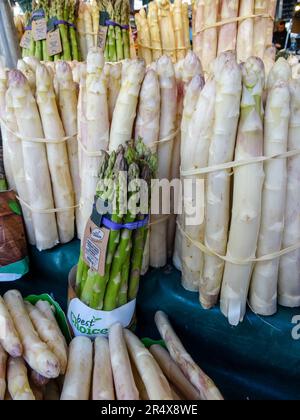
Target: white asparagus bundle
(207, 389)
(48, 333)
(228, 31)
(154, 30)
(195, 128)
(263, 291)
(244, 45)
(247, 195)
(9, 338)
(260, 28)
(29, 73)
(147, 128)
(157, 386)
(178, 23)
(103, 385)
(168, 114)
(173, 373)
(272, 5)
(228, 78)
(67, 101)
(289, 269)
(57, 154)
(126, 106)
(97, 136)
(3, 361)
(78, 377)
(114, 86)
(35, 161)
(210, 36)
(199, 25)
(166, 30)
(15, 153)
(36, 353)
(123, 378)
(5, 134)
(269, 59)
(17, 380)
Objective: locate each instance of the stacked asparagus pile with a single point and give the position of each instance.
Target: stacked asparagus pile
(111, 14)
(58, 14)
(33, 350)
(247, 27)
(165, 30)
(264, 204)
(123, 369)
(124, 255)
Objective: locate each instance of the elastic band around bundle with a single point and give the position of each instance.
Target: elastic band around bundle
(46, 211)
(236, 261)
(86, 152)
(171, 137)
(112, 23)
(109, 224)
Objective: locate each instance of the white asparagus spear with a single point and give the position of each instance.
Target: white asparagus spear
(17, 380)
(5, 134)
(78, 377)
(32, 62)
(9, 338)
(29, 73)
(269, 59)
(48, 333)
(97, 126)
(81, 117)
(114, 86)
(210, 37)
(35, 161)
(192, 123)
(168, 114)
(228, 32)
(205, 386)
(157, 386)
(244, 45)
(263, 291)
(199, 24)
(103, 385)
(247, 195)
(123, 378)
(260, 28)
(57, 154)
(280, 71)
(15, 152)
(272, 5)
(36, 353)
(67, 101)
(3, 361)
(289, 270)
(228, 78)
(126, 105)
(173, 373)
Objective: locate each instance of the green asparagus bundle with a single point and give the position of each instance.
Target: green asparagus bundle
(123, 262)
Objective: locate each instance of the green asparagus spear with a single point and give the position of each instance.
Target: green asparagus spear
(66, 54)
(123, 295)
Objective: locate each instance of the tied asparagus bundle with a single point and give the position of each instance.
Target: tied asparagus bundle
(243, 26)
(124, 254)
(113, 17)
(59, 15)
(164, 30)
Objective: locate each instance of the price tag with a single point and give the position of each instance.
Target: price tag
(39, 29)
(102, 35)
(26, 40)
(54, 44)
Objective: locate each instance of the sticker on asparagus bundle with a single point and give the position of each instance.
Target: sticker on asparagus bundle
(54, 44)
(92, 323)
(94, 247)
(26, 40)
(39, 29)
(103, 30)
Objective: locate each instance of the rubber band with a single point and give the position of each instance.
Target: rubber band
(86, 152)
(109, 224)
(36, 140)
(46, 211)
(171, 137)
(112, 23)
(232, 20)
(236, 164)
(208, 251)
(164, 49)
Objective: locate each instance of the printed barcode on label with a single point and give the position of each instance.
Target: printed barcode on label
(92, 254)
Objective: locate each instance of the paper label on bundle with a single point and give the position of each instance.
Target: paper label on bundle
(90, 323)
(39, 29)
(94, 247)
(102, 35)
(26, 40)
(54, 44)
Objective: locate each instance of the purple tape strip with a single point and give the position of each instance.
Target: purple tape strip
(130, 226)
(112, 23)
(38, 13)
(64, 22)
(28, 28)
